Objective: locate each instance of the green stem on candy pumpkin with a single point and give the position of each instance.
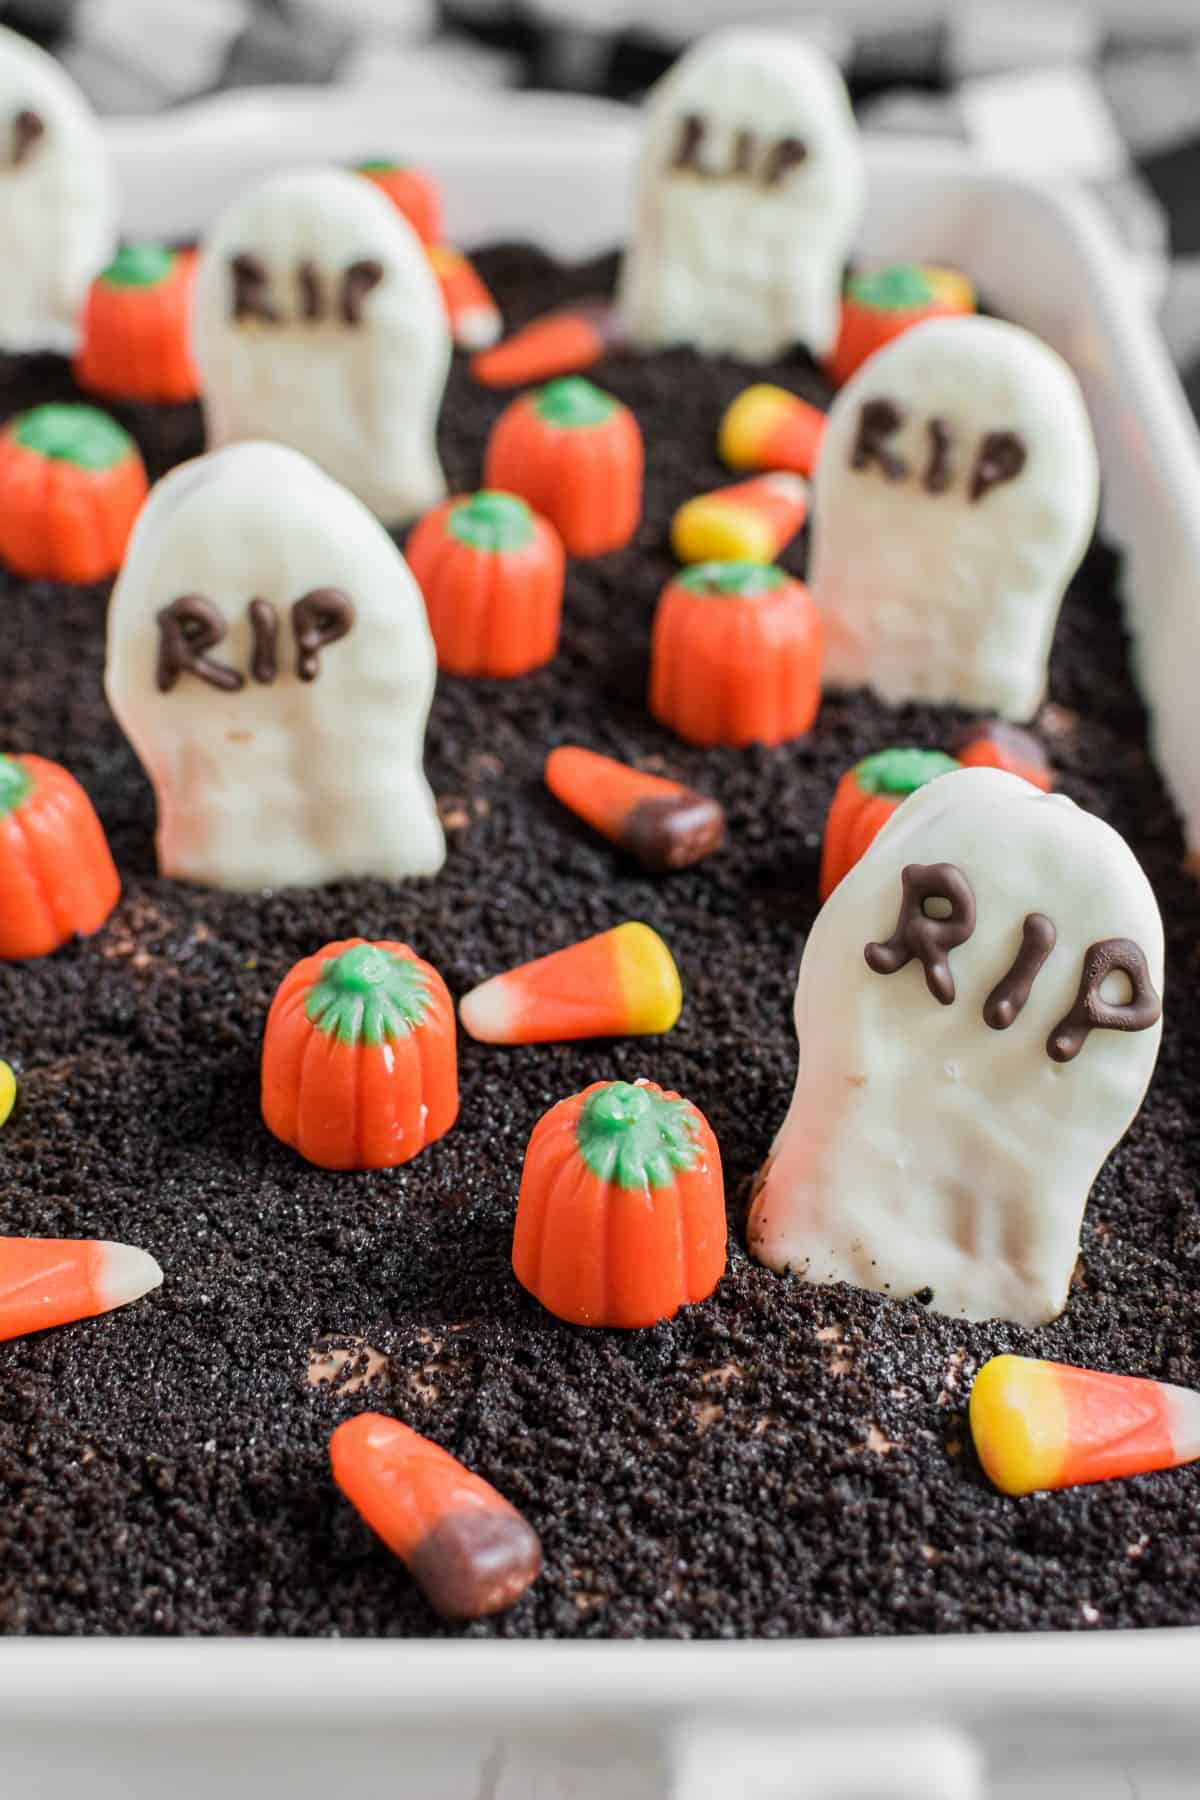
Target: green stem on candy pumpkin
(736, 580)
(896, 773)
(491, 521)
(139, 266)
(573, 403)
(16, 785)
(81, 435)
(367, 995)
(635, 1138)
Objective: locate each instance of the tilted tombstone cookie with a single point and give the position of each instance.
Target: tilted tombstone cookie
(954, 498)
(270, 661)
(318, 324)
(58, 199)
(751, 190)
(978, 1017)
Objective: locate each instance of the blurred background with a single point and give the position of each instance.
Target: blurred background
(1101, 92)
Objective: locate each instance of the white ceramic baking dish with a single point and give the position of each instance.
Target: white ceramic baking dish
(1101, 1715)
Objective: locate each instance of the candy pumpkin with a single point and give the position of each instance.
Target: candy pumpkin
(57, 877)
(135, 339)
(359, 1064)
(736, 655)
(491, 572)
(879, 307)
(865, 799)
(621, 1213)
(71, 485)
(411, 191)
(995, 744)
(575, 454)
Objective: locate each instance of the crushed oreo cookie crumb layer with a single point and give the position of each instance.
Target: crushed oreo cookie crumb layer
(783, 1459)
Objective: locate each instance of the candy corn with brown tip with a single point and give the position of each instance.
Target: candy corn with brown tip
(1047, 1425)
(467, 1549)
(665, 825)
(564, 342)
(53, 1281)
(995, 744)
(622, 983)
(475, 320)
(768, 428)
(748, 522)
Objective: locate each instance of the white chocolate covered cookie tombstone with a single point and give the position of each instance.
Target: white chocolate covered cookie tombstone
(58, 202)
(318, 324)
(978, 1015)
(270, 661)
(750, 193)
(955, 495)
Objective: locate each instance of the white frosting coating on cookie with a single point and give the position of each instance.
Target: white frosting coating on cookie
(264, 778)
(750, 192)
(341, 348)
(58, 200)
(925, 1148)
(945, 530)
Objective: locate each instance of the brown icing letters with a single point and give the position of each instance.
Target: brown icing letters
(743, 153)
(938, 473)
(876, 423)
(927, 938)
(187, 629)
(1002, 456)
(319, 618)
(782, 157)
(1008, 997)
(687, 149)
(250, 280)
(28, 129)
(357, 283)
(1093, 1013)
(308, 279)
(264, 626)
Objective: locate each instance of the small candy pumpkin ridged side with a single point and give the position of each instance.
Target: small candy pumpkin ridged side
(71, 485)
(736, 655)
(135, 338)
(411, 191)
(57, 876)
(865, 799)
(360, 1063)
(621, 1213)
(575, 454)
(878, 308)
(491, 572)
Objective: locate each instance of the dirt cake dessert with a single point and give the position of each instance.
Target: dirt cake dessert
(403, 964)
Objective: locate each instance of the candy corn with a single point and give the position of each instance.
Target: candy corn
(8, 1092)
(994, 744)
(665, 825)
(467, 1549)
(565, 342)
(749, 522)
(475, 320)
(1046, 1425)
(768, 428)
(622, 983)
(52, 1281)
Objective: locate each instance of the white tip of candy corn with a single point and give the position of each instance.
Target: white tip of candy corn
(123, 1274)
(1185, 1424)
(792, 488)
(488, 1012)
(477, 328)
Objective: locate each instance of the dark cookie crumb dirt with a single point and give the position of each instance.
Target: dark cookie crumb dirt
(784, 1459)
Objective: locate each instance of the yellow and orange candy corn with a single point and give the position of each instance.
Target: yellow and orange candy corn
(474, 317)
(665, 825)
(468, 1550)
(768, 428)
(748, 522)
(565, 342)
(8, 1092)
(1043, 1425)
(54, 1281)
(622, 983)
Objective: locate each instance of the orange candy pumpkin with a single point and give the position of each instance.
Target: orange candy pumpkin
(491, 572)
(359, 1064)
(57, 876)
(71, 485)
(880, 307)
(736, 655)
(135, 339)
(575, 453)
(411, 191)
(621, 1214)
(865, 799)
